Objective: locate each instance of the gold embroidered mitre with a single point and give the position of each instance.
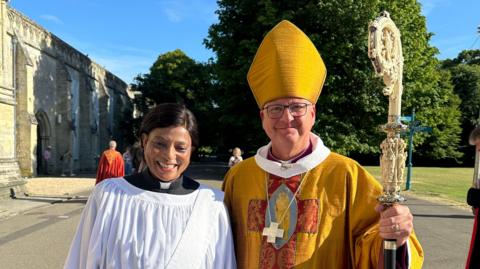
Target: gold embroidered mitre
(286, 64)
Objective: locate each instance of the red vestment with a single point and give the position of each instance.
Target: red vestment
(473, 260)
(110, 165)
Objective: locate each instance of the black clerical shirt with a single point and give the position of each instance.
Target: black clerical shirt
(146, 181)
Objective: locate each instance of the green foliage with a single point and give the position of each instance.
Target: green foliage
(465, 76)
(174, 77)
(205, 150)
(426, 88)
(466, 79)
(465, 57)
(351, 106)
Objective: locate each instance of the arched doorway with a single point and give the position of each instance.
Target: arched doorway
(43, 141)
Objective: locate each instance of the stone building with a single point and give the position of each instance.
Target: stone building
(52, 95)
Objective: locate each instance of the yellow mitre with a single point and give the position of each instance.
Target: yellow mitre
(287, 64)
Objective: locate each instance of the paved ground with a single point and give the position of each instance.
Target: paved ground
(444, 231)
(39, 223)
(44, 191)
(39, 238)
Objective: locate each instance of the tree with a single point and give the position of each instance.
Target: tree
(175, 77)
(465, 74)
(466, 79)
(339, 31)
(465, 57)
(426, 88)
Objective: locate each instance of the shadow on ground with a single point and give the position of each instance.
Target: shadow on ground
(444, 216)
(208, 170)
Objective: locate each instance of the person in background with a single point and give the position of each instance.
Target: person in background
(473, 199)
(47, 155)
(127, 159)
(111, 163)
(65, 159)
(158, 218)
(137, 158)
(236, 157)
(296, 204)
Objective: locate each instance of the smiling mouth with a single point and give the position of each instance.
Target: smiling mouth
(167, 166)
(286, 128)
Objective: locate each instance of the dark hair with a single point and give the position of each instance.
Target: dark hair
(170, 115)
(137, 156)
(474, 135)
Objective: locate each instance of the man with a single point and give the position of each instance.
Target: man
(296, 204)
(473, 199)
(111, 163)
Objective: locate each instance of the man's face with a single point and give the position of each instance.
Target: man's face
(288, 129)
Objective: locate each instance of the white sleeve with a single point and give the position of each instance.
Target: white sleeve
(82, 248)
(224, 252)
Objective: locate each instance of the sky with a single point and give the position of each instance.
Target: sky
(126, 37)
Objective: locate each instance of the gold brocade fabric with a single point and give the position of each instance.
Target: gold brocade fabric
(336, 225)
(286, 64)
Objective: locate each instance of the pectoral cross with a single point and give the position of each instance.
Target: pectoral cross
(272, 232)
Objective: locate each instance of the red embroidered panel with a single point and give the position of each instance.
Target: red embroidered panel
(275, 181)
(256, 215)
(307, 222)
(283, 258)
(307, 216)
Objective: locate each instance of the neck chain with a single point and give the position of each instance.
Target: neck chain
(272, 232)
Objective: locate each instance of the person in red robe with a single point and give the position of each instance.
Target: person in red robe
(111, 163)
(473, 199)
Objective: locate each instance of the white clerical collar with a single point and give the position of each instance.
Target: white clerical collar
(304, 164)
(165, 185)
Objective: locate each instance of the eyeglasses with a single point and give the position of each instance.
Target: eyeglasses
(295, 109)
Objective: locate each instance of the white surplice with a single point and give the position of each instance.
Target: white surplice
(123, 226)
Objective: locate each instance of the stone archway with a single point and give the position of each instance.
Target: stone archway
(43, 140)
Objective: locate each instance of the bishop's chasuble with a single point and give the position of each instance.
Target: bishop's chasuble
(329, 223)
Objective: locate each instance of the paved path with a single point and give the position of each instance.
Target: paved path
(39, 238)
(443, 229)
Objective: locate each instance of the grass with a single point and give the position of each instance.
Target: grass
(443, 183)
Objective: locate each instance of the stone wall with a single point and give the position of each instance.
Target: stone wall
(52, 95)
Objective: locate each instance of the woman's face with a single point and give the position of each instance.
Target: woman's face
(167, 152)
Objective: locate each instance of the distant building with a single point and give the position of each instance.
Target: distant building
(52, 95)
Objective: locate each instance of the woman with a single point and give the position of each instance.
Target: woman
(137, 158)
(158, 218)
(236, 157)
(127, 159)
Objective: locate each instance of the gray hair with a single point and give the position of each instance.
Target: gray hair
(112, 144)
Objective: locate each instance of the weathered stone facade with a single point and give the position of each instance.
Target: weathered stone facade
(52, 95)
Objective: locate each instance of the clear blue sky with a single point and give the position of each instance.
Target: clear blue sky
(127, 36)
